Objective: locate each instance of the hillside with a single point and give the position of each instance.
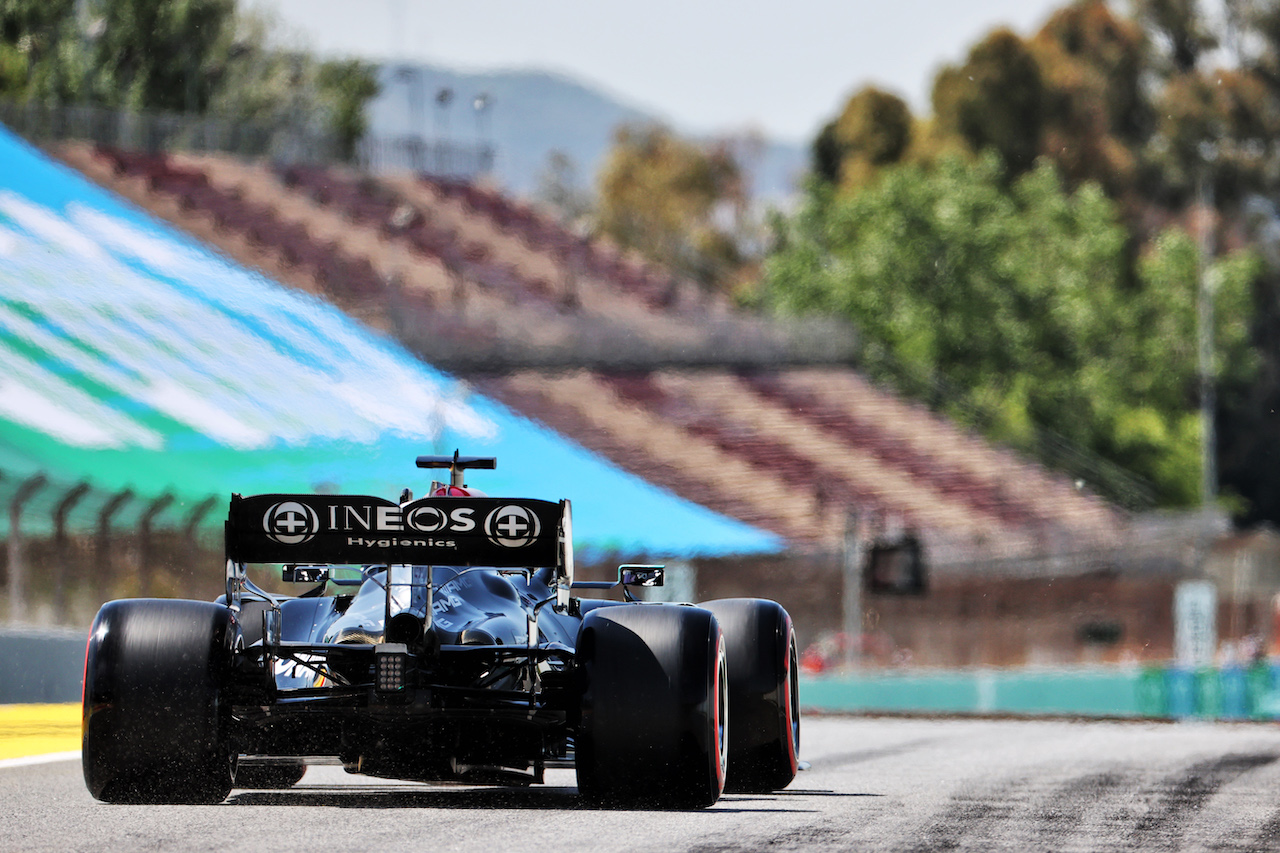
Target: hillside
(533, 113)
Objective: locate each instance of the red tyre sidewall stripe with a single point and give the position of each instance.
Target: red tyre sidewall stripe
(788, 704)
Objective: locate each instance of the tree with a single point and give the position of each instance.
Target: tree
(192, 56)
(996, 99)
(871, 132)
(1165, 363)
(1180, 29)
(1130, 105)
(560, 188)
(345, 87)
(32, 63)
(1095, 107)
(1113, 52)
(155, 54)
(675, 201)
(1218, 128)
(1020, 296)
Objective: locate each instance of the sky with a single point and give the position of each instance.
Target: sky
(784, 69)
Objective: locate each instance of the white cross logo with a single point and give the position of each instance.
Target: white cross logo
(291, 522)
(512, 526)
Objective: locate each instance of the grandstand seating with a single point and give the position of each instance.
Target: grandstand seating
(843, 394)
(656, 445)
(592, 258)
(572, 269)
(787, 451)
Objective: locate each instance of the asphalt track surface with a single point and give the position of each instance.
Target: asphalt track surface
(875, 784)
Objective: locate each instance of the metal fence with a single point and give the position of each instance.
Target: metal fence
(65, 535)
(414, 154)
(157, 132)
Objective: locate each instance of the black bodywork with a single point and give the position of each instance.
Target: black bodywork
(463, 604)
(439, 639)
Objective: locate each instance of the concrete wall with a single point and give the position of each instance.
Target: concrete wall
(40, 665)
(1100, 617)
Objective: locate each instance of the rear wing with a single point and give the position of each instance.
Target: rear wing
(513, 533)
(499, 532)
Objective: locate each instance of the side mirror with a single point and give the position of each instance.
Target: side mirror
(635, 575)
(304, 574)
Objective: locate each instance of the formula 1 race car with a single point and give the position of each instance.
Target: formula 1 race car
(443, 639)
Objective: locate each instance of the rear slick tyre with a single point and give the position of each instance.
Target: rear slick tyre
(763, 694)
(155, 723)
(654, 729)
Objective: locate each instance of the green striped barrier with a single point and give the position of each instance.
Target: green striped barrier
(1138, 692)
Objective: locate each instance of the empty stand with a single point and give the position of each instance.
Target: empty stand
(758, 428)
(655, 288)
(842, 399)
(657, 444)
(446, 261)
(569, 267)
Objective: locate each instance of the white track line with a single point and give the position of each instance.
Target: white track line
(47, 758)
